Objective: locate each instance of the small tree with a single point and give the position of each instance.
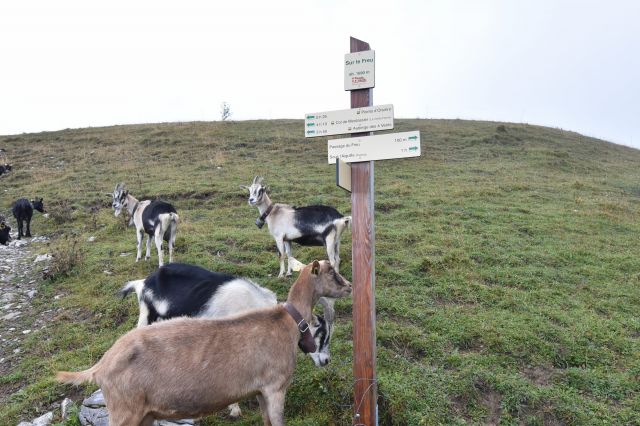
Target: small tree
(225, 111)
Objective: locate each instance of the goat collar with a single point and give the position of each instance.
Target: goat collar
(306, 343)
(261, 219)
(133, 212)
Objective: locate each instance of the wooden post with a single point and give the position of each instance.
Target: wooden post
(364, 276)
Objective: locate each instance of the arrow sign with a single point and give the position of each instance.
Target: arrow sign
(354, 120)
(379, 147)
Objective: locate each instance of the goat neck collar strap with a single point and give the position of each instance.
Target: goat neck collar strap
(306, 343)
(260, 220)
(266, 212)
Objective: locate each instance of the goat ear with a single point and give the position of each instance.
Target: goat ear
(41, 199)
(315, 268)
(244, 187)
(255, 179)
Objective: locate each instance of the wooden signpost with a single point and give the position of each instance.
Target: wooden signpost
(354, 172)
(364, 275)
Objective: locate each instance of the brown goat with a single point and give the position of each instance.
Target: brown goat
(192, 367)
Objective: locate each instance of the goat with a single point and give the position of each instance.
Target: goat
(157, 218)
(5, 230)
(23, 212)
(176, 290)
(308, 226)
(190, 367)
(5, 168)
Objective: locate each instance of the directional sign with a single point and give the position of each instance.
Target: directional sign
(360, 70)
(379, 147)
(354, 120)
(343, 175)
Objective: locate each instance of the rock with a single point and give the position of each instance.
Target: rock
(42, 257)
(65, 407)
(8, 297)
(32, 293)
(25, 424)
(26, 331)
(125, 254)
(95, 400)
(91, 239)
(93, 416)
(11, 316)
(106, 272)
(43, 420)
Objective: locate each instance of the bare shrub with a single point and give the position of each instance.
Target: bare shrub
(225, 111)
(60, 211)
(65, 257)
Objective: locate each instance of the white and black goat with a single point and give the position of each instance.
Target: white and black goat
(308, 226)
(156, 218)
(177, 290)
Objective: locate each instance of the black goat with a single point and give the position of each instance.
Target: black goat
(23, 211)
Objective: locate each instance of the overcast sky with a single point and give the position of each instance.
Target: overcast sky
(568, 64)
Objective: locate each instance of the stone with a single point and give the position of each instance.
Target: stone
(10, 316)
(42, 257)
(93, 416)
(31, 294)
(95, 400)
(66, 407)
(43, 420)
(25, 424)
(91, 239)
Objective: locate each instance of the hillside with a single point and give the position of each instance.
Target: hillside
(508, 275)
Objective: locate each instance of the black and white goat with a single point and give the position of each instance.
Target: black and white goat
(5, 167)
(156, 218)
(308, 226)
(177, 290)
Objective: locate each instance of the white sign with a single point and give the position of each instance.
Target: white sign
(343, 174)
(354, 120)
(379, 147)
(360, 70)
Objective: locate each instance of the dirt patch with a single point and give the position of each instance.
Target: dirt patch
(540, 375)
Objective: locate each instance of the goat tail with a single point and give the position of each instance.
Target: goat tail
(175, 219)
(136, 286)
(342, 224)
(76, 378)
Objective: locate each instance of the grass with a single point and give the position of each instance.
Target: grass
(506, 257)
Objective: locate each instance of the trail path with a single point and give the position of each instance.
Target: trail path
(20, 274)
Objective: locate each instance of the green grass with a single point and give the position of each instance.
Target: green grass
(507, 263)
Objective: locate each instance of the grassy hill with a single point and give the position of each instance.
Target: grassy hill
(508, 274)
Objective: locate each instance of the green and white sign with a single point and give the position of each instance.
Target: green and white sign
(360, 70)
(354, 120)
(379, 147)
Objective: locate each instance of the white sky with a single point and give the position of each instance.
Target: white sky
(78, 63)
